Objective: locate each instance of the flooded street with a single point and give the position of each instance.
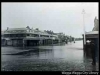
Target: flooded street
(65, 57)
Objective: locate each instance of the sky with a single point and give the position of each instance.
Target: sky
(63, 17)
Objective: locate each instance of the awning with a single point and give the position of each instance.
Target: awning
(92, 32)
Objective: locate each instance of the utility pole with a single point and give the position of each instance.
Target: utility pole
(83, 12)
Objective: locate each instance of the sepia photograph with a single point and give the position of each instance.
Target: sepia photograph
(49, 36)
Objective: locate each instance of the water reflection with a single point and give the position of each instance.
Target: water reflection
(88, 58)
(65, 57)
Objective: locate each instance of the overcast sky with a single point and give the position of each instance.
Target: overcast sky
(59, 17)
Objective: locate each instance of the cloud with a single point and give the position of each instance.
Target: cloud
(58, 17)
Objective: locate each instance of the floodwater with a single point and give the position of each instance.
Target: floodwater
(65, 57)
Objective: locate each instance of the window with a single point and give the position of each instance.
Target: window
(11, 35)
(23, 35)
(28, 35)
(2, 35)
(44, 36)
(6, 35)
(36, 35)
(14, 35)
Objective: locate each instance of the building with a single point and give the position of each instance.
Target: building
(26, 37)
(92, 36)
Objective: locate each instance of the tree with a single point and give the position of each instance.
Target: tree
(37, 28)
(28, 27)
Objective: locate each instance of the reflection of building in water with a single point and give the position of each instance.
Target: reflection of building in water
(40, 53)
(92, 36)
(27, 37)
(46, 54)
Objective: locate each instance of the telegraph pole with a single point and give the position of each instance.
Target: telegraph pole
(84, 44)
(83, 12)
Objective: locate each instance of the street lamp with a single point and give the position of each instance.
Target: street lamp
(83, 12)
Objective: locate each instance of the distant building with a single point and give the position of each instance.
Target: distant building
(96, 25)
(26, 37)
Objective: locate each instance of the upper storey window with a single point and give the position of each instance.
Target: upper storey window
(14, 35)
(16, 31)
